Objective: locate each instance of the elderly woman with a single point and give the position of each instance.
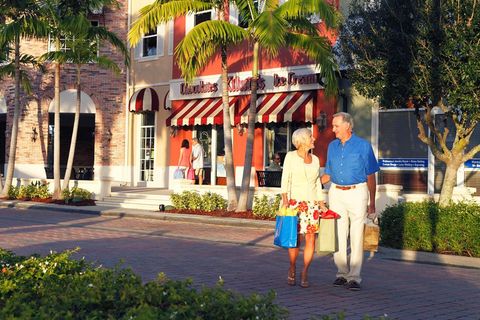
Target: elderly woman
(302, 191)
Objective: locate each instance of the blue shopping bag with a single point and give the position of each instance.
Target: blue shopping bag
(286, 229)
(178, 174)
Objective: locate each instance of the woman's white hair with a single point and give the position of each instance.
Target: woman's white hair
(301, 137)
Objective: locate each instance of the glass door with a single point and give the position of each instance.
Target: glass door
(147, 146)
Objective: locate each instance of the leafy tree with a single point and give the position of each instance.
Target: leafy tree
(83, 44)
(269, 26)
(22, 21)
(422, 54)
(195, 51)
(272, 27)
(62, 18)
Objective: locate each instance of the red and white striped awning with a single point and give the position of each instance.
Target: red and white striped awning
(200, 112)
(144, 100)
(281, 107)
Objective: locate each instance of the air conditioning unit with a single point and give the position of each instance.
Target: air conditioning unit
(98, 10)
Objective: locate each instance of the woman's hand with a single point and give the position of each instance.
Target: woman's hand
(323, 206)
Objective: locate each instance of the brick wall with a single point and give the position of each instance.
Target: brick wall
(106, 89)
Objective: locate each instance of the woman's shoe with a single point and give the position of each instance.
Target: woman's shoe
(304, 281)
(291, 278)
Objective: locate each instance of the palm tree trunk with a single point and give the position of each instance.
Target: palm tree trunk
(227, 137)
(56, 132)
(73, 142)
(16, 117)
(252, 114)
(449, 182)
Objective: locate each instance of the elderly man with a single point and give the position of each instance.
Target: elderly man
(351, 166)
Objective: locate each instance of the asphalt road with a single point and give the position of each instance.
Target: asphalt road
(247, 262)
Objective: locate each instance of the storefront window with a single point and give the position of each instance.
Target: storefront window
(220, 153)
(204, 135)
(278, 139)
(147, 146)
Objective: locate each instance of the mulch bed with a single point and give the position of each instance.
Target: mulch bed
(220, 213)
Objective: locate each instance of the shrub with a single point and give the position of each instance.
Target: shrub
(213, 201)
(40, 190)
(266, 207)
(58, 287)
(76, 194)
(425, 226)
(192, 200)
(12, 192)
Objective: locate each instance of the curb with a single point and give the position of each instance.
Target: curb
(383, 253)
(135, 213)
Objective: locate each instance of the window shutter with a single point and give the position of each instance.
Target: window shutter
(170, 37)
(233, 14)
(137, 50)
(160, 39)
(189, 22)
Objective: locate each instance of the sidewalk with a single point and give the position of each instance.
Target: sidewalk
(384, 253)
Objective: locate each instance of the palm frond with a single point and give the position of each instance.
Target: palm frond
(57, 56)
(161, 12)
(103, 34)
(306, 8)
(269, 30)
(302, 25)
(320, 51)
(201, 43)
(107, 63)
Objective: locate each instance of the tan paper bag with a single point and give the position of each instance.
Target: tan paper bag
(371, 235)
(327, 237)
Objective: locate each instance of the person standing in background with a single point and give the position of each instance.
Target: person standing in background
(184, 157)
(351, 166)
(197, 160)
(275, 165)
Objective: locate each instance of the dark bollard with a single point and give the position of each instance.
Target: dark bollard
(161, 208)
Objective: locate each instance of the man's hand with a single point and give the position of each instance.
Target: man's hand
(371, 210)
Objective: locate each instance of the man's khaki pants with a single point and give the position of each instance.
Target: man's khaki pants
(351, 205)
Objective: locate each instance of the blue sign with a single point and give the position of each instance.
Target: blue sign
(404, 163)
(473, 163)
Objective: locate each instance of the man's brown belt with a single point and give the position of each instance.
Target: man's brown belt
(345, 187)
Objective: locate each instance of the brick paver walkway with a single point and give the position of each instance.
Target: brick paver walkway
(245, 259)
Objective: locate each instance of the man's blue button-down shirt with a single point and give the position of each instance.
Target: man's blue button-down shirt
(351, 162)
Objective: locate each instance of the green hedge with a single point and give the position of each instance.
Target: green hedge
(424, 226)
(58, 287)
(209, 201)
(265, 206)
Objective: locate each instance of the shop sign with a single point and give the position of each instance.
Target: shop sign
(270, 81)
(403, 163)
(473, 163)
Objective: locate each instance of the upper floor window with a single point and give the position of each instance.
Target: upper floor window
(151, 44)
(202, 17)
(195, 19)
(66, 42)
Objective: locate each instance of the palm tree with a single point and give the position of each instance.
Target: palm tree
(62, 17)
(271, 27)
(21, 21)
(83, 48)
(195, 51)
